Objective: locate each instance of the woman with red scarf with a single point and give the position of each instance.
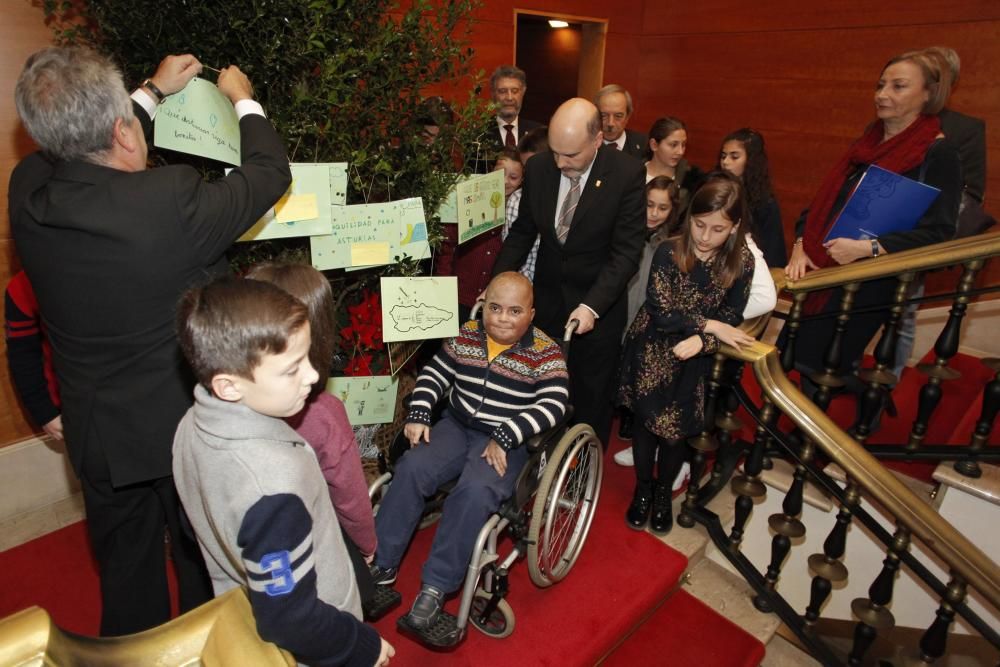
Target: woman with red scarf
(906, 139)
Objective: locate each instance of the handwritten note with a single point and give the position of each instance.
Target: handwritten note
(481, 205)
(199, 120)
(368, 399)
(419, 308)
(400, 225)
(360, 223)
(324, 182)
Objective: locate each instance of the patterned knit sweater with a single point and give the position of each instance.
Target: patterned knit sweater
(524, 391)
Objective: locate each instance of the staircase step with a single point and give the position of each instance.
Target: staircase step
(731, 597)
(685, 631)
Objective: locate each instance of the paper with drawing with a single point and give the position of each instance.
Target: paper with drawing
(419, 308)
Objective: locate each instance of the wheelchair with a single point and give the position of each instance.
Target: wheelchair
(547, 519)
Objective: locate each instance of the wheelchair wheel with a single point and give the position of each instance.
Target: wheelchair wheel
(500, 623)
(564, 505)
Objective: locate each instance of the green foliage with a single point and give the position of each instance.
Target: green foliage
(340, 79)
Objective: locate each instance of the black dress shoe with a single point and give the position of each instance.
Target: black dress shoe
(662, 518)
(638, 511)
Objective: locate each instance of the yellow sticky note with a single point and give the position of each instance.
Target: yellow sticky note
(292, 208)
(363, 254)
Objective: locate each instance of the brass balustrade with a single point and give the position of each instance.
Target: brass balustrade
(874, 480)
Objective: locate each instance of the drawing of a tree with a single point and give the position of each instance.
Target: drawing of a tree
(496, 201)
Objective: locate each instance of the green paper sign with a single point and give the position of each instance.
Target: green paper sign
(419, 308)
(326, 182)
(481, 205)
(369, 399)
(199, 120)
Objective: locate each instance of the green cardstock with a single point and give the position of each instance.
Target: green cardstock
(401, 224)
(199, 120)
(327, 181)
(369, 399)
(481, 205)
(419, 308)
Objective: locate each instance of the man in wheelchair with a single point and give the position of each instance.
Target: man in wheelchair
(505, 385)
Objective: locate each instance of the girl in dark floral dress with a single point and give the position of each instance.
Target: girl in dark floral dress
(698, 286)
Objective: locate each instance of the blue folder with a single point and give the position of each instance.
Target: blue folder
(883, 202)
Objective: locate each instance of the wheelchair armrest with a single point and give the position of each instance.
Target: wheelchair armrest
(539, 442)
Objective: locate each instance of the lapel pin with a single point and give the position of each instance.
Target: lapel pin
(597, 184)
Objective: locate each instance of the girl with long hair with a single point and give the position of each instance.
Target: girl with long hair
(699, 283)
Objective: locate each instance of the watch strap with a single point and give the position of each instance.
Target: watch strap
(151, 87)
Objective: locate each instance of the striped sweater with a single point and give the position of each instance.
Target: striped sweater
(524, 391)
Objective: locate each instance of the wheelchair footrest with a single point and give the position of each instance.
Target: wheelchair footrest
(443, 634)
(385, 599)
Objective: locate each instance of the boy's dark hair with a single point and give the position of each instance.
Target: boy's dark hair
(229, 324)
(535, 141)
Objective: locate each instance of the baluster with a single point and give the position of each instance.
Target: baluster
(981, 435)
(932, 644)
(872, 612)
(703, 444)
(880, 378)
(792, 325)
(829, 379)
(827, 566)
(726, 424)
(786, 526)
(945, 348)
(748, 485)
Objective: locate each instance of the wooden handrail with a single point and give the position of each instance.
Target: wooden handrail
(962, 557)
(919, 259)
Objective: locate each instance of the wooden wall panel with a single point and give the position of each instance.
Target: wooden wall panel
(806, 87)
(22, 32)
(734, 16)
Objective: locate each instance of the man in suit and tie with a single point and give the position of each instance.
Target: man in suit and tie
(615, 105)
(585, 202)
(110, 246)
(508, 85)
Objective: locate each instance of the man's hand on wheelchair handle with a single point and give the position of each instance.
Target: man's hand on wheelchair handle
(496, 457)
(415, 431)
(585, 316)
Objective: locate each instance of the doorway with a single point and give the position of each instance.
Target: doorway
(560, 62)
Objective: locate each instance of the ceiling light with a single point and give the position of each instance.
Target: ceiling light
(558, 24)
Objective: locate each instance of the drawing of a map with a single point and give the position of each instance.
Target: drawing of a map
(420, 316)
(419, 308)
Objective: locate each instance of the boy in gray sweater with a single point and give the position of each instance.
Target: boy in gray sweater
(251, 486)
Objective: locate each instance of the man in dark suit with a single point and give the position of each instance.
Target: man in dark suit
(109, 247)
(615, 105)
(586, 204)
(507, 85)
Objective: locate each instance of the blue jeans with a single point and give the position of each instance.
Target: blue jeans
(454, 451)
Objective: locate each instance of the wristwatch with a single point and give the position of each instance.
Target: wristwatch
(874, 247)
(151, 87)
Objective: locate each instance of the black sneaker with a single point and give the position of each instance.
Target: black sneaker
(426, 608)
(383, 576)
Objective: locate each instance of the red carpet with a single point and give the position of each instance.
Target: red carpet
(662, 635)
(57, 572)
(620, 576)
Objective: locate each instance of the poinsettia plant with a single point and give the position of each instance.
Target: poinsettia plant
(361, 336)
